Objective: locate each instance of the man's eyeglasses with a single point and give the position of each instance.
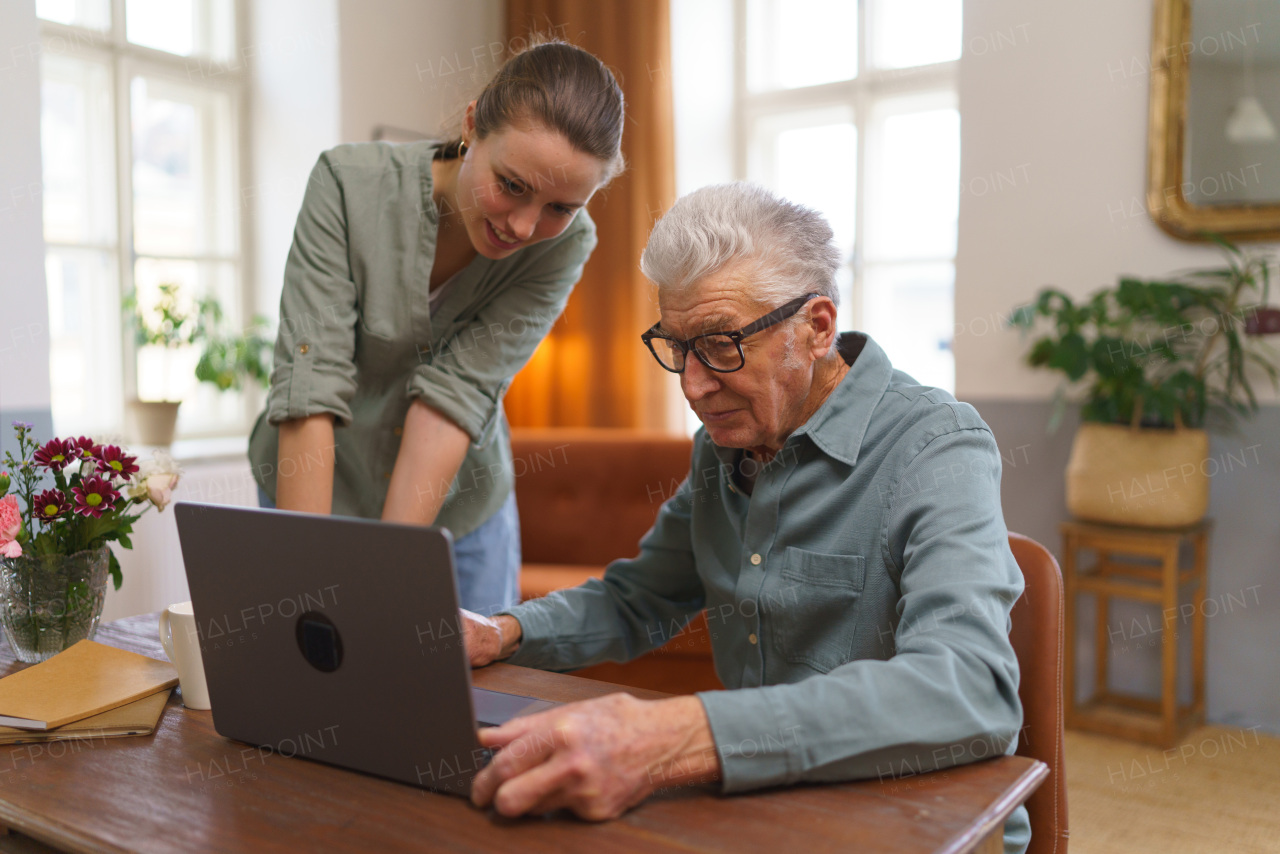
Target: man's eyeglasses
(719, 351)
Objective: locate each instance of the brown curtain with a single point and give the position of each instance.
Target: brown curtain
(592, 370)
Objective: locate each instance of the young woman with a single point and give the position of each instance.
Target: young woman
(421, 279)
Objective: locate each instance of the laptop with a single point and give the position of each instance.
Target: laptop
(339, 640)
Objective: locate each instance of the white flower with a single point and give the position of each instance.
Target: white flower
(160, 489)
(155, 480)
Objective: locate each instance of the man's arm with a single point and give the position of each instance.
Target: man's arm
(949, 695)
(638, 605)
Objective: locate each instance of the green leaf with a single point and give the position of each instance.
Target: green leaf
(117, 577)
(1071, 356)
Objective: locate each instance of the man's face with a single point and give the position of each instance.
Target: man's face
(757, 406)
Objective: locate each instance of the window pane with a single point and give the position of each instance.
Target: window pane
(183, 169)
(84, 339)
(79, 157)
(817, 167)
(915, 199)
(801, 42)
(171, 375)
(94, 14)
(811, 160)
(909, 312)
(184, 27)
(901, 38)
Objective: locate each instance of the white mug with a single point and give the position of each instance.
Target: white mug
(182, 644)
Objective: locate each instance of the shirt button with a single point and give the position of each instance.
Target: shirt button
(755, 560)
(387, 475)
(752, 637)
(303, 348)
(399, 431)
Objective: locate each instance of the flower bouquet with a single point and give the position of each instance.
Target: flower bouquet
(54, 558)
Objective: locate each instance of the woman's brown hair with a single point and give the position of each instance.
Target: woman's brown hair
(565, 89)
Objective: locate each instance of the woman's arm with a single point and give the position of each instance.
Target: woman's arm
(431, 452)
(304, 468)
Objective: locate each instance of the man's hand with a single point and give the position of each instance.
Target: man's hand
(489, 639)
(597, 758)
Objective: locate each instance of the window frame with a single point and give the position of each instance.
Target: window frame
(860, 96)
(230, 76)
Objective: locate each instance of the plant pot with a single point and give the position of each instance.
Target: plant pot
(48, 603)
(1146, 477)
(152, 422)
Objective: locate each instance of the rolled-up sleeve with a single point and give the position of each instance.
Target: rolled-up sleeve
(466, 376)
(949, 694)
(315, 348)
(638, 606)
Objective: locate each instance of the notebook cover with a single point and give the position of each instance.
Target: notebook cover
(87, 679)
(137, 718)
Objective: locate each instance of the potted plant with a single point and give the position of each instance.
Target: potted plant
(166, 334)
(231, 361)
(54, 557)
(1160, 361)
(178, 347)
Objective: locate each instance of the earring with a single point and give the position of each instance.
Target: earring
(462, 148)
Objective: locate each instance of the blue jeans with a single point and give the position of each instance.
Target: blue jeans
(487, 560)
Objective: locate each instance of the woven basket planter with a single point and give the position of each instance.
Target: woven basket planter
(1144, 477)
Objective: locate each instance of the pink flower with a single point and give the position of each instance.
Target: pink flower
(10, 525)
(85, 447)
(51, 504)
(116, 462)
(55, 454)
(94, 496)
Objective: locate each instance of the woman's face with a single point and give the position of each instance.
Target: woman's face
(521, 184)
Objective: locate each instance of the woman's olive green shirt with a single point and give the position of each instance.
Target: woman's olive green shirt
(358, 339)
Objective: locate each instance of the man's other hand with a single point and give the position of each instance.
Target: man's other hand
(597, 758)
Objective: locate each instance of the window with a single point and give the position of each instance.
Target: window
(848, 107)
(142, 127)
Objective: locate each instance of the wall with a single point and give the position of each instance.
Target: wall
(1054, 105)
(24, 315)
(295, 114)
(414, 64)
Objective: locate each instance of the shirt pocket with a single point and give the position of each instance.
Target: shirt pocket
(817, 608)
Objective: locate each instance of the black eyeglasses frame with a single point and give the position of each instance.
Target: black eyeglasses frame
(773, 318)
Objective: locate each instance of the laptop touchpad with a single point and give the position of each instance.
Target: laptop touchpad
(493, 708)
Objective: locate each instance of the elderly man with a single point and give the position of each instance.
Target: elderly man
(840, 523)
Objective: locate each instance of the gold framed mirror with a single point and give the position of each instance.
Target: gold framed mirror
(1213, 159)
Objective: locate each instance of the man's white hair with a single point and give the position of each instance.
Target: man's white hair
(789, 248)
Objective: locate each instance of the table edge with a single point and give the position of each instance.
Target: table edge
(993, 817)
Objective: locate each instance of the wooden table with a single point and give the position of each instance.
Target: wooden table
(186, 788)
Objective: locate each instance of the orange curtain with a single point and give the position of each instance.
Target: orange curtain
(592, 370)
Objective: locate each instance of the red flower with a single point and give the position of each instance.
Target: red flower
(85, 446)
(116, 462)
(56, 454)
(51, 504)
(94, 496)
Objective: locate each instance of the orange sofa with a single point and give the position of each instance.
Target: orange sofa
(585, 498)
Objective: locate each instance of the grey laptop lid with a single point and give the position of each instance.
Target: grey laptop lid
(337, 639)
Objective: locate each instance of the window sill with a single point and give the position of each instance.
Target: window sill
(214, 449)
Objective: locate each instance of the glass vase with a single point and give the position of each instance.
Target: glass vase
(48, 603)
